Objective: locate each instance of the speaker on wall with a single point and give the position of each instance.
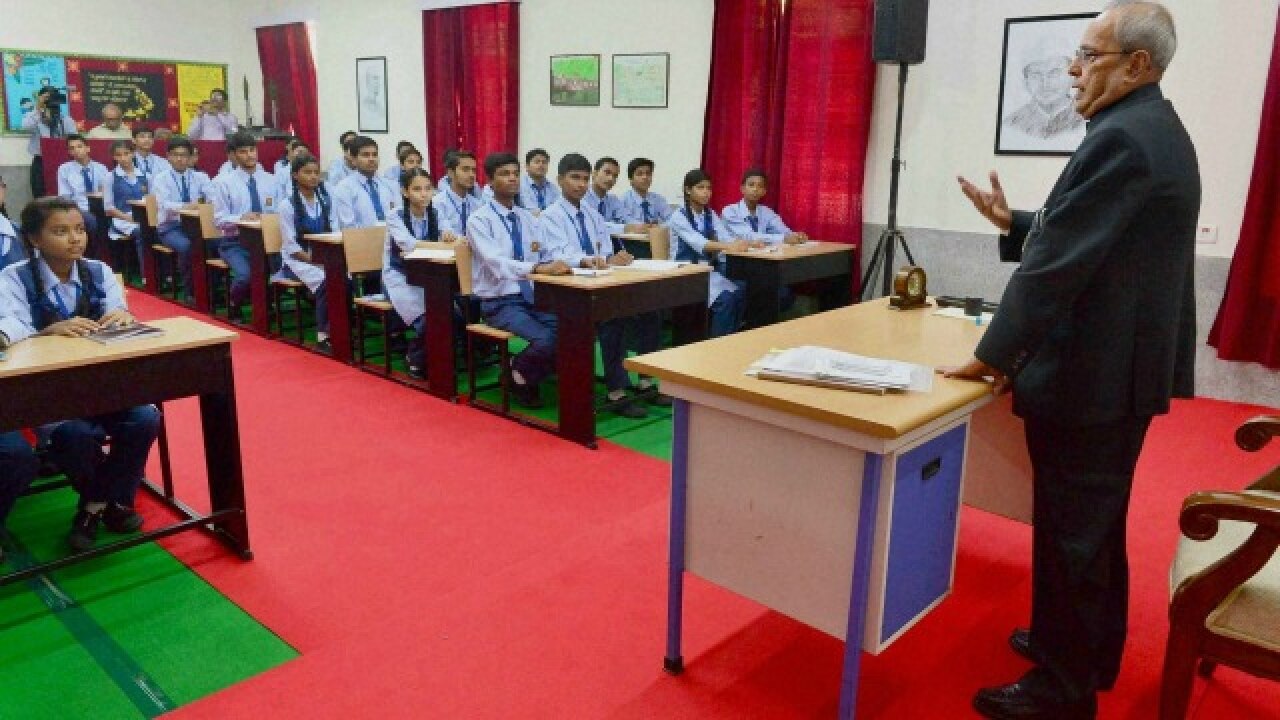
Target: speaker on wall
(900, 27)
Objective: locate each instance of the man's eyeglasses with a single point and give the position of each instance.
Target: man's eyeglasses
(1086, 57)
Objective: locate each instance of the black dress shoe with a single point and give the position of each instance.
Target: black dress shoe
(1016, 701)
(1020, 643)
(527, 395)
(629, 409)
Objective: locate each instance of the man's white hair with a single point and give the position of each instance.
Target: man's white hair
(1145, 25)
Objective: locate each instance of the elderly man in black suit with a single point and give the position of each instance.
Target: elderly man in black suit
(1095, 333)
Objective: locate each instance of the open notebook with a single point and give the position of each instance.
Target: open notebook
(112, 335)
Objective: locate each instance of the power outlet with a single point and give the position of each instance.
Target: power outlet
(1207, 234)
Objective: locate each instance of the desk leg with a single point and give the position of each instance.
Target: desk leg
(199, 272)
(150, 275)
(867, 506)
(674, 662)
(442, 378)
(575, 365)
(339, 298)
(836, 292)
(689, 324)
(222, 461)
(258, 272)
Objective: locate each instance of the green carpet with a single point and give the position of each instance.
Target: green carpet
(130, 635)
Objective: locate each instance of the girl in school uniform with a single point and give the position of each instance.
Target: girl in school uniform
(306, 211)
(698, 235)
(127, 183)
(59, 292)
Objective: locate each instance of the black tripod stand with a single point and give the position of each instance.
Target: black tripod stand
(882, 257)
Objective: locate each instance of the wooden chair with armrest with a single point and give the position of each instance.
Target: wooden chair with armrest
(1225, 582)
(363, 249)
(215, 266)
(272, 243)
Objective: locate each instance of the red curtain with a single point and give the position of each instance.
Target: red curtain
(472, 80)
(289, 80)
(791, 91)
(1248, 325)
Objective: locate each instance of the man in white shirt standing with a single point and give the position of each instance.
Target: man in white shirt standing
(213, 120)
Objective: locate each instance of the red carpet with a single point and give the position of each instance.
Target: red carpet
(432, 561)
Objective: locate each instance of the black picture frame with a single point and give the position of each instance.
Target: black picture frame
(666, 83)
(372, 117)
(1028, 131)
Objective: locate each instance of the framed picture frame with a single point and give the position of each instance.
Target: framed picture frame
(641, 80)
(1037, 114)
(371, 94)
(575, 80)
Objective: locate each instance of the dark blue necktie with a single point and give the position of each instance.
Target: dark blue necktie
(755, 223)
(645, 205)
(517, 250)
(600, 208)
(186, 191)
(707, 230)
(377, 201)
(542, 196)
(255, 202)
(583, 237)
(88, 179)
(466, 208)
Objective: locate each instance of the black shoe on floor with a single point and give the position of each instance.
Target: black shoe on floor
(119, 519)
(527, 395)
(659, 400)
(1022, 701)
(414, 371)
(324, 346)
(1020, 643)
(84, 530)
(629, 409)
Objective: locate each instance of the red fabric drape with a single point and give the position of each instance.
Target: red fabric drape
(472, 83)
(289, 78)
(1248, 324)
(791, 91)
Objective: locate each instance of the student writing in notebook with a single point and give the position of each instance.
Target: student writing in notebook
(537, 193)
(600, 195)
(80, 176)
(127, 184)
(59, 292)
(640, 206)
(749, 218)
(698, 235)
(179, 188)
(306, 211)
(508, 248)
(457, 202)
(364, 198)
(245, 193)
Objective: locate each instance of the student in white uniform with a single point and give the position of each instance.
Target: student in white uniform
(306, 211)
(748, 218)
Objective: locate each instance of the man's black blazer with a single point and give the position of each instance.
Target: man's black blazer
(1098, 322)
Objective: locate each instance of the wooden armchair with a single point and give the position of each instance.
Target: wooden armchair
(1225, 580)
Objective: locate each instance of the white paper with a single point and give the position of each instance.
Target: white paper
(430, 254)
(818, 363)
(958, 314)
(591, 272)
(647, 265)
(631, 236)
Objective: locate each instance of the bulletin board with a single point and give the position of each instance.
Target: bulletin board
(152, 92)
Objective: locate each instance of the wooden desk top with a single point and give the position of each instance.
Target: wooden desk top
(46, 353)
(252, 224)
(326, 238)
(189, 212)
(617, 277)
(871, 329)
(138, 203)
(785, 252)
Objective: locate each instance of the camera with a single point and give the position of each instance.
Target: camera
(54, 96)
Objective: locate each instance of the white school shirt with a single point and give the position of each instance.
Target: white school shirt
(353, 202)
(15, 312)
(772, 229)
(408, 300)
(310, 275)
(71, 182)
(231, 198)
(168, 190)
(682, 231)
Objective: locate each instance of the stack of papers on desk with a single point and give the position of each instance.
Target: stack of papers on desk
(430, 254)
(647, 265)
(591, 272)
(824, 367)
(631, 236)
(113, 335)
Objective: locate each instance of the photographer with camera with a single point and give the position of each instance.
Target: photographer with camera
(47, 119)
(213, 120)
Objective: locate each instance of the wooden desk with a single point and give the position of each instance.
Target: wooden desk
(580, 303)
(46, 379)
(439, 282)
(198, 225)
(766, 273)
(98, 247)
(835, 508)
(327, 251)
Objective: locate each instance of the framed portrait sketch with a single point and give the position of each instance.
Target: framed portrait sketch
(575, 80)
(1037, 114)
(641, 81)
(371, 94)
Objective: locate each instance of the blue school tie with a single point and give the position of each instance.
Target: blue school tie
(88, 179)
(517, 250)
(755, 223)
(186, 191)
(255, 202)
(708, 231)
(377, 201)
(645, 205)
(583, 238)
(600, 208)
(542, 196)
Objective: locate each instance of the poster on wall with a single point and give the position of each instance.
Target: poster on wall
(1037, 114)
(641, 81)
(575, 80)
(147, 93)
(371, 92)
(195, 83)
(24, 75)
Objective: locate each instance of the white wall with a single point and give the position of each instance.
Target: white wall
(671, 137)
(1216, 82)
(212, 34)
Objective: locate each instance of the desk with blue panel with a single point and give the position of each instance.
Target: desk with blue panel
(835, 508)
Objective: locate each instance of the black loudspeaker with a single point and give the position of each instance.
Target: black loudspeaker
(900, 31)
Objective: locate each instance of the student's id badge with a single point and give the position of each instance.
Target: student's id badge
(269, 201)
(536, 246)
(393, 205)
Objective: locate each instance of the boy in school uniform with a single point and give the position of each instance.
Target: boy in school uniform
(244, 193)
(82, 175)
(176, 189)
(59, 292)
(536, 192)
(480, 193)
(147, 162)
(364, 198)
(342, 167)
(748, 218)
(639, 205)
(572, 223)
(508, 248)
(600, 195)
(457, 201)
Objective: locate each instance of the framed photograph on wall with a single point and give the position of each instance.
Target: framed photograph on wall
(641, 81)
(371, 94)
(1037, 114)
(575, 80)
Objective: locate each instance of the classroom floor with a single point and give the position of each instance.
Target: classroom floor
(417, 559)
